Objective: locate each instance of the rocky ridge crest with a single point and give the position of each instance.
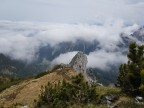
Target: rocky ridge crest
(79, 64)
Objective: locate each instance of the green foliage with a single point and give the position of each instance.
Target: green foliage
(131, 75)
(142, 82)
(46, 72)
(142, 88)
(107, 90)
(142, 76)
(68, 93)
(89, 106)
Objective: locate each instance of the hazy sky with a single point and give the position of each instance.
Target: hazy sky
(72, 11)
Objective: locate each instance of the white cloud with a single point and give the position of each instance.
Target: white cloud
(64, 58)
(103, 60)
(22, 40)
(98, 59)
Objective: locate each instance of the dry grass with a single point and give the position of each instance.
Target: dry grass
(89, 106)
(107, 90)
(26, 92)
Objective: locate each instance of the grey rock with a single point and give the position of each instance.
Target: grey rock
(110, 99)
(79, 62)
(91, 76)
(138, 99)
(24, 106)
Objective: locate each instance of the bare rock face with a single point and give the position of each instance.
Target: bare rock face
(79, 62)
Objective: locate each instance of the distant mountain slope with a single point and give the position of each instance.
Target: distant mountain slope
(50, 52)
(19, 68)
(9, 66)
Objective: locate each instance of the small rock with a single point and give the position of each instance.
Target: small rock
(139, 99)
(24, 106)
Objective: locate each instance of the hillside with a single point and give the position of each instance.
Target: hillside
(27, 91)
(69, 86)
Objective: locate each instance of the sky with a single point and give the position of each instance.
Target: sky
(72, 11)
(28, 25)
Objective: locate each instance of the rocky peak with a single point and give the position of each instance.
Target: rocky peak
(79, 62)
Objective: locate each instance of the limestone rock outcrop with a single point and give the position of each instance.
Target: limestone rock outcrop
(79, 62)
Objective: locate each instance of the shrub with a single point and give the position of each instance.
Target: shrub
(67, 93)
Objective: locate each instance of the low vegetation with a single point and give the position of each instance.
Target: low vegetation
(48, 71)
(68, 93)
(41, 74)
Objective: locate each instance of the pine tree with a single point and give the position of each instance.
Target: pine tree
(131, 74)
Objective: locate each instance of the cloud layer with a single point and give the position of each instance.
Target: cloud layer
(22, 40)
